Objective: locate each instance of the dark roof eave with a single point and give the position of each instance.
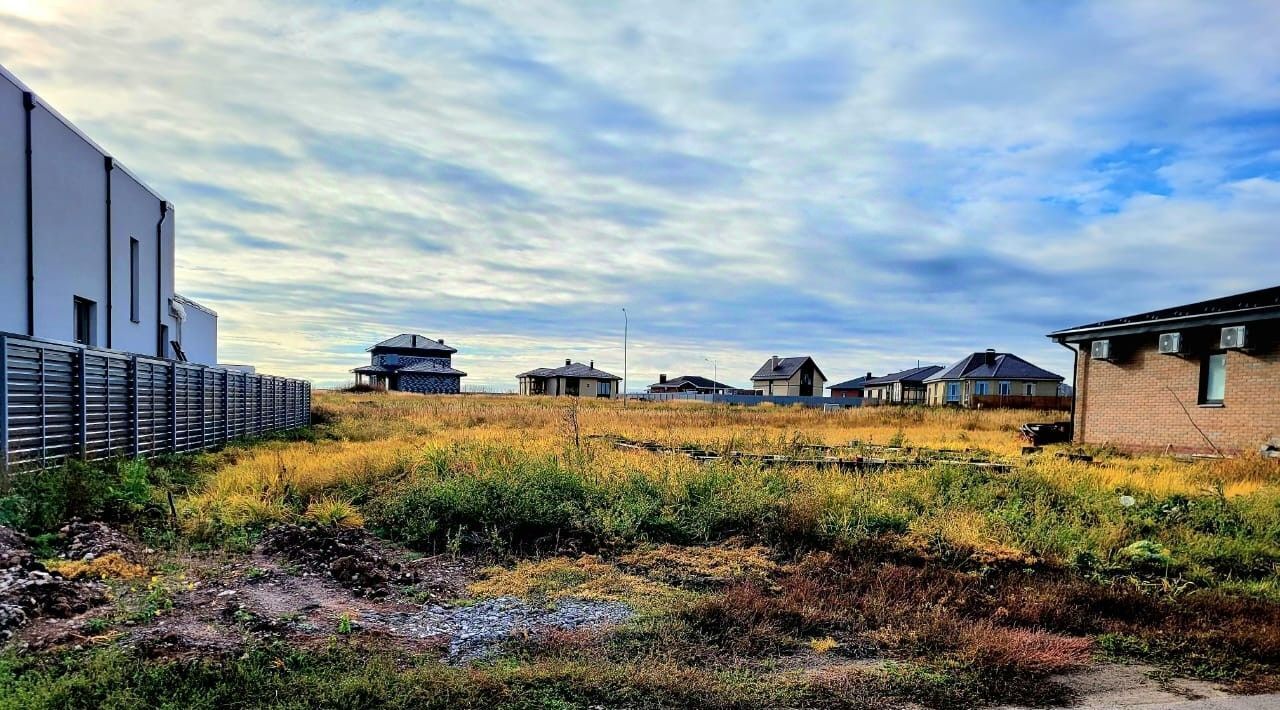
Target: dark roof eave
(1089, 332)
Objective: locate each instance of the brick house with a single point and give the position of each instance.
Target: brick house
(1198, 378)
(412, 363)
(849, 388)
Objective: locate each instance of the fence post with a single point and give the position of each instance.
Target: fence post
(4, 404)
(173, 406)
(226, 406)
(82, 411)
(44, 413)
(134, 406)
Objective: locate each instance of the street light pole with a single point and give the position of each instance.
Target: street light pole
(715, 377)
(626, 324)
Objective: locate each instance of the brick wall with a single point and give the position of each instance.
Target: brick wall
(1134, 403)
(424, 383)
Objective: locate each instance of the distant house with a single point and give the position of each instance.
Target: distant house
(988, 374)
(789, 376)
(905, 387)
(687, 383)
(412, 363)
(850, 388)
(572, 380)
(1201, 378)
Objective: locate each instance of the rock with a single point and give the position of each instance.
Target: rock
(28, 590)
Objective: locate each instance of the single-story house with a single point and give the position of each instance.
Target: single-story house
(1202, 377)
(687, 383)
(905, 387)
(990, 374)
(412, 363)
(789, 377)
(849, 388)
(572, 380)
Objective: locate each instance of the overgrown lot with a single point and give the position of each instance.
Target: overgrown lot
(643, 579)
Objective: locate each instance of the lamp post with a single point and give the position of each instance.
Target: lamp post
(626, 324)
(715, 377)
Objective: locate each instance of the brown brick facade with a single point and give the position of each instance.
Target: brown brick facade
(1134, 403)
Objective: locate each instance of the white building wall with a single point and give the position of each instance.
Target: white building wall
(70, 214)
(199, 336)
(13, 209)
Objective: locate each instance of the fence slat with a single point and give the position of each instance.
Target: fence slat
(59, 400)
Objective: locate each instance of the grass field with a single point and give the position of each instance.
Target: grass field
(753, 585)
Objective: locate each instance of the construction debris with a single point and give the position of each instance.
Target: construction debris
(28, 590)
(1041, 433)
(1271, 449)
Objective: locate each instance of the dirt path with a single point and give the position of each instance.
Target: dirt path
(1112, 686)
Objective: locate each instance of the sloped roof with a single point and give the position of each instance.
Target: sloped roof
(695, 380)
(432, 368)
(371, 370)
(413, 341)
(854, 384)
(1251, 304)
(915, 374)
(1006, 366)
(787, 367)
(574, 369)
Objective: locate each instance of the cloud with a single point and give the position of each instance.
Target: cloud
(868, 184)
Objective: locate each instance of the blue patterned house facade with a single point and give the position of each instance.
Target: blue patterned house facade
(412, 363)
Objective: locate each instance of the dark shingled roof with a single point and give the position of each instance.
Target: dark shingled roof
(412, 341)
(575, 369)
(1004, 366)
(914, 375)
(787, 367)
(695, 380)
(1252, 303)
(855, 384)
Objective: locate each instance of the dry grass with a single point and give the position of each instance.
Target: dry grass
(109, 566)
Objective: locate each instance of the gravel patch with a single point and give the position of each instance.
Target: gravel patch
(476, 630)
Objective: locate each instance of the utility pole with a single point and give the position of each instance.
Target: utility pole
(715, 377)
(626, 324)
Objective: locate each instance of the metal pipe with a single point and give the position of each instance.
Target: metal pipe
(1075, 384)
(109, 164)
(164, 212)
(29, 103)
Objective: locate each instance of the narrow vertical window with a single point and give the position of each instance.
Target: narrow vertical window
(1030, 389)
(1005, 389)
(135, 272)
(85, 327)
(1213, 379)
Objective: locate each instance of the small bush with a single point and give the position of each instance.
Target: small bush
(1024, 651)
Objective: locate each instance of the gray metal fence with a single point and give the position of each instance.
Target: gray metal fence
(60, 401)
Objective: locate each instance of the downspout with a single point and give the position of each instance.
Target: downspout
(164, 212)
(109, 163)
(1075, 384)
(29, 103)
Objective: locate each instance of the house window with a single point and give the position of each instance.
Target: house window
(603, 389)
(86, 321)
(1029, 389)
(1006, 389)
(1213, 379)
(135, 275)
(980, 388)
(953, 391)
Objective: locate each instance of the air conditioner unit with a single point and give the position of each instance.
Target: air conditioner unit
(1234, 338)
(1100, 350)
(1170, 343)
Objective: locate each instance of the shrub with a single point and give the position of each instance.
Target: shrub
(1023, 651)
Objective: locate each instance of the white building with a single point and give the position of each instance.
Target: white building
(86, 248)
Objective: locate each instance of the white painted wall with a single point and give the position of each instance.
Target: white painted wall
(69, 222)
(13, 210)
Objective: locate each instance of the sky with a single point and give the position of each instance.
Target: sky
(871, 184)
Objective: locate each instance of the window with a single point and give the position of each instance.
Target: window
(980, 388)
(953, 391)
(85, 323)
(1213, 379)
(135, 276)
(1006, 389)
(1029, 389)
(603, 391)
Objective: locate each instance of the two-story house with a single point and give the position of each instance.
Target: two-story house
(412, 363)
